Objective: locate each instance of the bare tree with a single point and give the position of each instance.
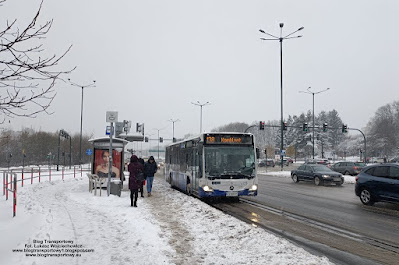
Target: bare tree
(26, 79)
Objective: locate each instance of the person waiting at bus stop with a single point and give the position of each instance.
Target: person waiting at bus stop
(150, 168)
(135, 168)
(142, 181)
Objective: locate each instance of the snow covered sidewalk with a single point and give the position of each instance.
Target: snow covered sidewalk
(167, 228)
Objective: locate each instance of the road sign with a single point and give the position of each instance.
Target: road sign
(282, 152)
(108, 130)
(111, 116)
(89, 152)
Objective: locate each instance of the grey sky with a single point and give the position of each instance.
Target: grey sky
(152, 58)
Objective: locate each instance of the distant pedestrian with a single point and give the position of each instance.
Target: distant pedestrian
(150, 168)
(142, 180)
(135, 168)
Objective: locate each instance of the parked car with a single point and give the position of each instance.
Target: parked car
(378, 183)
(285, 161)
(319, 174)
(348, 168)
(317, 161)
(266, 163)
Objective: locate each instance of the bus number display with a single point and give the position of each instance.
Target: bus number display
(210, 139)
(228, 139)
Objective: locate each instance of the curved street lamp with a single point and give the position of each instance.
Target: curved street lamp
(313, 93)
(280, 39)
(173, 135)
(201, 105)
(93, 84)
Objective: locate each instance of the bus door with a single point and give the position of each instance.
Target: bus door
(195, 168)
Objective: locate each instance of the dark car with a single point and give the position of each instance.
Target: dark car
(266, 163)
(348, 168)
(319, 174)
(378, 183)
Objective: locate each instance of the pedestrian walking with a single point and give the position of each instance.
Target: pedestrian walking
(142, 180)
(150, 168)
(135, 169)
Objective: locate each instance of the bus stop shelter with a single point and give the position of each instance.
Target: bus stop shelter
(101, 160)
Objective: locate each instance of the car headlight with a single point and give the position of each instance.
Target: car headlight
(254, 188)
(326, 176)
(207, 189)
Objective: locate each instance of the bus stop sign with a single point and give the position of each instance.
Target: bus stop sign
(89, 152)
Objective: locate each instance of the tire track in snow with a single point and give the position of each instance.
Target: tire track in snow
(170, 219)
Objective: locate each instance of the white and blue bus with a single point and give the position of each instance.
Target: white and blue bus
(213, 165)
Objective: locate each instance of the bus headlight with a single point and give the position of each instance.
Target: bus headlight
(254, 188)
(207, 189)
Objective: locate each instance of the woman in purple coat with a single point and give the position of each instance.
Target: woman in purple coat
(134, 184)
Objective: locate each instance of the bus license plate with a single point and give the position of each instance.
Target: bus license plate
(231, 193)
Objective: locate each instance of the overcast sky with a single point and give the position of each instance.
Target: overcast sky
(151, 59)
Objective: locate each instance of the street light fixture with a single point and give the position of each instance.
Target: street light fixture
(313, 93)
(81, 113)
(201, 105)
(173, 135)
(280, 39)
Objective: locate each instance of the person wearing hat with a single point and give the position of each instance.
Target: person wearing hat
(135, 169)
(150, 168)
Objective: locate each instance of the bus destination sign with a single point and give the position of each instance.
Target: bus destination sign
(228, 139)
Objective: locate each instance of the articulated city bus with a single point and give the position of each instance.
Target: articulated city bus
(213, 165)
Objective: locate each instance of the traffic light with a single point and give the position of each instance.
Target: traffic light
(261, 125)
(146, 139)
(305, 127)
(160, 139)
(284, 126)
(325, 127)
(174, 140)
(344, 128)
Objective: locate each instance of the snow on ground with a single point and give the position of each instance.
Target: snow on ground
(167, 228)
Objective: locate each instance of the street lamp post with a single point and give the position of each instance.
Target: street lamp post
(280, 39)
(158, 140)
(81, 113)
(313, 93)
(201, 105)
(173, 135)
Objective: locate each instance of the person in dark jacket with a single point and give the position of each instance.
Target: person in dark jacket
(134, 169)
(142, 181)
(150, 168)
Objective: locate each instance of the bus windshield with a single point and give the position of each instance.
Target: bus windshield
(229, 160)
